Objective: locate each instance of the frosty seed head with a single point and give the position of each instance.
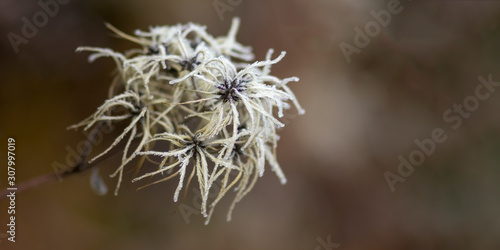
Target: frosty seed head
(194, 104)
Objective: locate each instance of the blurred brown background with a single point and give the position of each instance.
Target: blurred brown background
(360, 117)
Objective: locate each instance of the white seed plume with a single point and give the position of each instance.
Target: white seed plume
(194, 105)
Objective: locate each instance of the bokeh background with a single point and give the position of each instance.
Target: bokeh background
(361, 116)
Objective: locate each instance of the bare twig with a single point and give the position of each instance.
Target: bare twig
(79, 167)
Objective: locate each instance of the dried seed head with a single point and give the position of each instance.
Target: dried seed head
(198, 105)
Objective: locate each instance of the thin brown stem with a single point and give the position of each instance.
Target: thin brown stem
(79, 167)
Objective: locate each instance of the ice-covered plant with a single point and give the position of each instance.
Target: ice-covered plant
(194, 105)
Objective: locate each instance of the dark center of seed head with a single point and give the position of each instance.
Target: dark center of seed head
(190, 64)
(228, 90)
